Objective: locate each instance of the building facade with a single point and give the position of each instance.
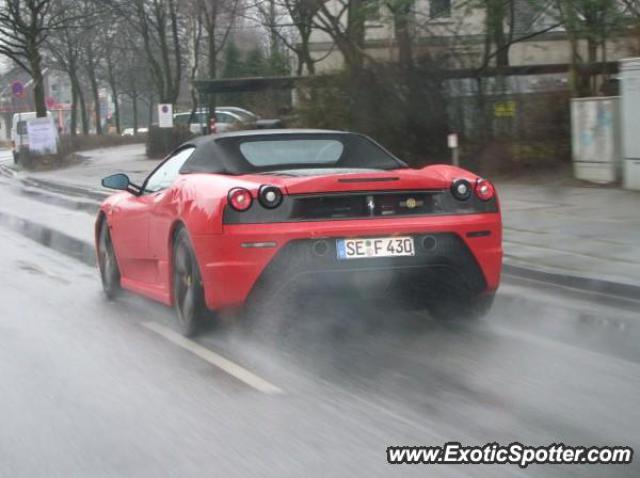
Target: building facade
(453, 33)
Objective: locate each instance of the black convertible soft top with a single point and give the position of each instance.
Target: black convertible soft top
(221, 153)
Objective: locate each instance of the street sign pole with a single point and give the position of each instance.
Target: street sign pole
(452, 142)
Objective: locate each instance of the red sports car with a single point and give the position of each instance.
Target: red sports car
(238, 217)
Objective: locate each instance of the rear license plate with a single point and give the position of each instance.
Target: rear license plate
(375, 247)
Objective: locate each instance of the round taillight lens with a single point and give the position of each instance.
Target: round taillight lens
(270, 196)
(484, 189)
(461, 189)
(240, 199)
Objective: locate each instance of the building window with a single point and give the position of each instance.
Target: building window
(440, 8)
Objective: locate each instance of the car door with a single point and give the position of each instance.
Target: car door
(163, 209)
(134, 216)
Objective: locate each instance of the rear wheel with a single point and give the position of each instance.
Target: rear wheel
(188, 294)
(109, 271)
(474, 307)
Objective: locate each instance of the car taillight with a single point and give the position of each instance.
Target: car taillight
(461, 189)
(270, 196)
(484, 189)
(240, 199)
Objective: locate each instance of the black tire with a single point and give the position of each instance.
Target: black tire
(463, 308)
(109, 271)
(188, 293)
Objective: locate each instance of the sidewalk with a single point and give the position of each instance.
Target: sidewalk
(590, 233)
(129, 159)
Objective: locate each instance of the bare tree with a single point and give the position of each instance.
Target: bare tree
(159, 24)
(114, 45)
(403, 14)
(595, 21)
(135, 78)
(92, 45)
(64, 48)
(346, 27)
(218, 17)
(194, 33)
(290, 23)
(24, 28)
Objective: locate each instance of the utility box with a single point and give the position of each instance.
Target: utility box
(595, 139)
(630, 98)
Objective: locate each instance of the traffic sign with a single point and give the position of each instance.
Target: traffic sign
(165, 115)
(17, 88)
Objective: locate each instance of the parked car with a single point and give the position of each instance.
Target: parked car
(20, 132)
(228, 118)
(252, 118)
(237, 217)
(247, 115)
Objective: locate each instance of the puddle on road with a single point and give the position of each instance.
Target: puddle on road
(59, 241)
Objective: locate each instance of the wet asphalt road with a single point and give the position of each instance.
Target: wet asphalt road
(88, 389)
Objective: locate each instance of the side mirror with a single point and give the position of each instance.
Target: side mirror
(120, 182)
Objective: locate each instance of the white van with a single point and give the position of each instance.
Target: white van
(19, 132)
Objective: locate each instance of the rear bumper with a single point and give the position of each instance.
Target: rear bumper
(468, 253)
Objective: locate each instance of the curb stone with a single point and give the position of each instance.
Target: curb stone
(617, 289)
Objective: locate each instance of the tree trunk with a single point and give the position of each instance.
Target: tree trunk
(177, 51)
(166, 66)
(496, 13)
(194, 105)
(114, 93)
(35, 62)
(134, 105)
(401, 21)
(116, 108)
(212, 71)
(306, 55)
(156, 69)
(96, 98)
(116, 104)
(83, 108)
(74, 107)
(150, 122)
(300, 63)
(502, 48)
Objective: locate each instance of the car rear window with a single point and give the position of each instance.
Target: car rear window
(264, 152)
(292, 151)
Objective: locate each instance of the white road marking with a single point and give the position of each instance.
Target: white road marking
(213, 358)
